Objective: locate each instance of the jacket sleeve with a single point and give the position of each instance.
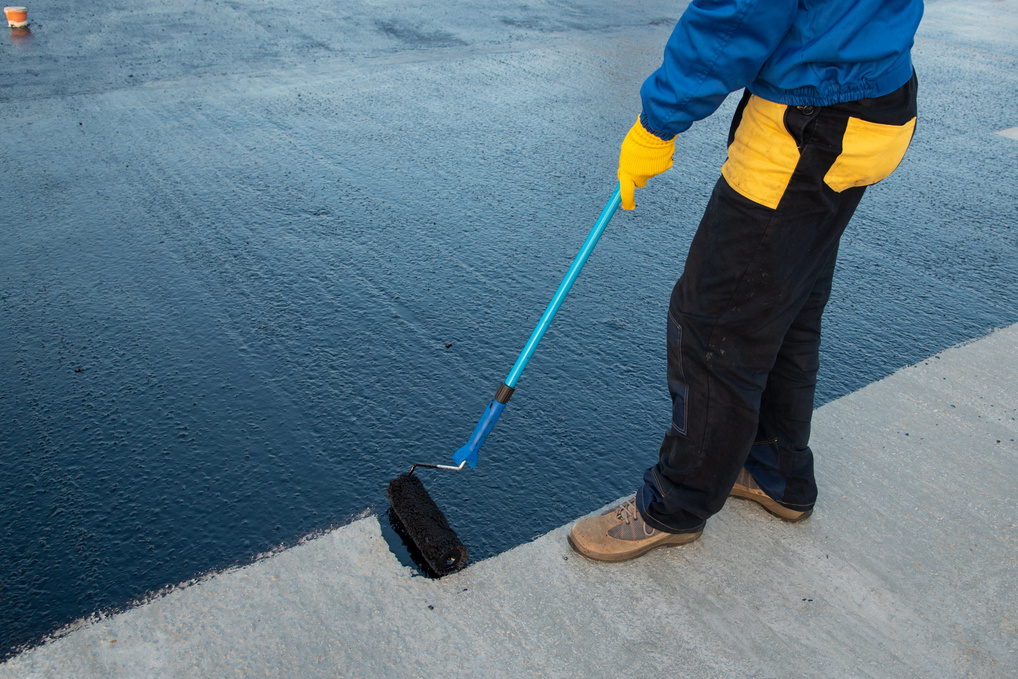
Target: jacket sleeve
(717, 47)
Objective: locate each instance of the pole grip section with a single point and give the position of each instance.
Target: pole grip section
(481, 431)
(564, 286)
(468, 453)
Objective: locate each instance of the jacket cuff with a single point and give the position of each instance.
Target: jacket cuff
(662, 136)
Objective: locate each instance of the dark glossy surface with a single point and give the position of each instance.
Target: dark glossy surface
(255, 261)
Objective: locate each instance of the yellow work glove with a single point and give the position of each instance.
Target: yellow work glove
(644, 155)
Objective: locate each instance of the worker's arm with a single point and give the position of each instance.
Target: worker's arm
(717, 47)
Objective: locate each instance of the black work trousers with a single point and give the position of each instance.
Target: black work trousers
(744, 318)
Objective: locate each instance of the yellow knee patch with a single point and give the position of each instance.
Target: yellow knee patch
(870, 152)
(763, 154)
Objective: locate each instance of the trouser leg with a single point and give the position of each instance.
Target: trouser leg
(780, 460)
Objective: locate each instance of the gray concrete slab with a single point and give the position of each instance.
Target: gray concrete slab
(907, 569)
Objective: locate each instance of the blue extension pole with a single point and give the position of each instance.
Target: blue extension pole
(468, 453)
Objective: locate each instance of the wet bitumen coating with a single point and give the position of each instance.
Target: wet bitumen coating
(254, 261)
(906, 569)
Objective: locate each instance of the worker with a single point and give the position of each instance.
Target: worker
(828, 108)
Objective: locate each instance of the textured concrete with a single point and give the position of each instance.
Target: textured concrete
(906, 569)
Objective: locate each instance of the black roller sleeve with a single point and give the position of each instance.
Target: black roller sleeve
(426, 525)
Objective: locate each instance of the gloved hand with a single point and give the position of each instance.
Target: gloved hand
(644, 155)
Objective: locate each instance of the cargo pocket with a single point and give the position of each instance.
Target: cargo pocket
(762, 155)
(870, 152)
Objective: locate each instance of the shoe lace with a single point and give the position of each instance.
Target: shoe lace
(628, 513)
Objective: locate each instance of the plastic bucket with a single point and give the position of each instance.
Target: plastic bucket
(17, 17)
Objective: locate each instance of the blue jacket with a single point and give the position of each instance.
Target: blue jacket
(795, 52)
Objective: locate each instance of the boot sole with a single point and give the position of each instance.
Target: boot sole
(685, 539)
(778, 510)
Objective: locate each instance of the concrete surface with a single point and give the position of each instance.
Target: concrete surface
(906, 569)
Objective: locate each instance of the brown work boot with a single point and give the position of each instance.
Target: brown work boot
(747, 488)
(620, 534)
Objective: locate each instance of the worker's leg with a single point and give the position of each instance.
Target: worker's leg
(780, 460)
